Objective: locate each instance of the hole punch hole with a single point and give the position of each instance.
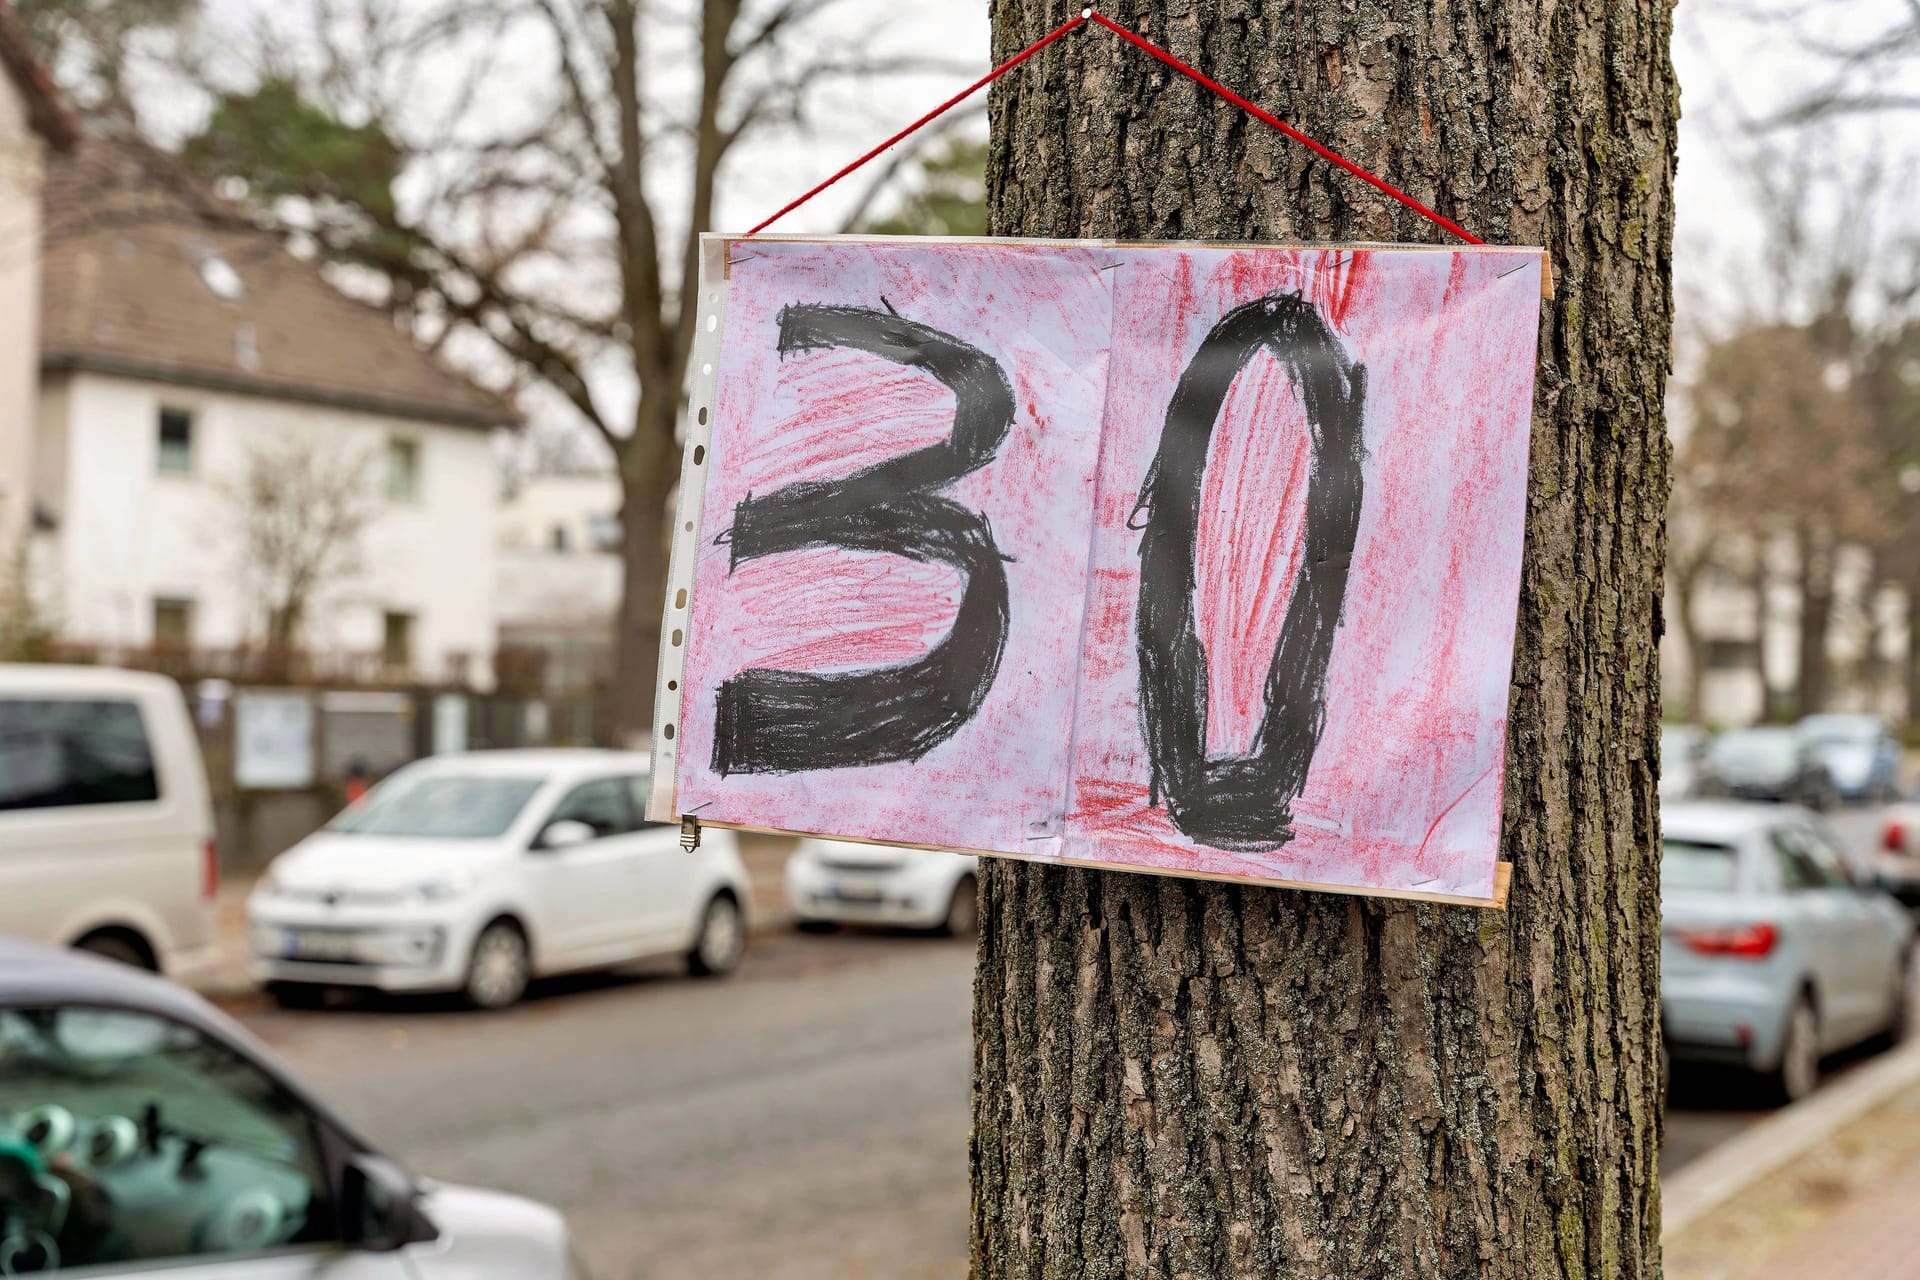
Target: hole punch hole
(706, 371)
(713, 322)
(699, 454)
(677, 637)
(668, 731)
(680, 598)
(689, 526)
(672, 685)
(702, 415)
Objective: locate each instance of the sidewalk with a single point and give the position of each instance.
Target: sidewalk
(1842, 1207)
(765, 857)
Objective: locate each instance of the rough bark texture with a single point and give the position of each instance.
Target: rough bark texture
(1181, 1079)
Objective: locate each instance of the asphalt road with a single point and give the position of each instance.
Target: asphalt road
(804, 1118)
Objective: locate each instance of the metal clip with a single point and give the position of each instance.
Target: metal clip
(689, 833)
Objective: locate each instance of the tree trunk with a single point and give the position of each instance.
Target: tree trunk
(1178, 1078)
(1815, 556)
(1770, 708)
(649, 469)
(1913, 650)
(1685, 580)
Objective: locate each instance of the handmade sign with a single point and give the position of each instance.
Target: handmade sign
(1194, 559)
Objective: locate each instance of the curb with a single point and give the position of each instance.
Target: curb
(1728, 1169)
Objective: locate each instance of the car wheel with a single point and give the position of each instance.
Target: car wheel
(501, 966)
(118, 948)
(1799, 1069)
(723, 936)
(297, 995)
(963, 909)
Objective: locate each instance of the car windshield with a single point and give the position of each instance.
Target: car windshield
(1834, 730)
(1691, 866)
(1756, 749)
(440, 806)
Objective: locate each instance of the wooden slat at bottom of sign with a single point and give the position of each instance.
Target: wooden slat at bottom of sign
(1502, 871)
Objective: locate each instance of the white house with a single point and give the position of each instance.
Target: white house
(179, 344)
(560, 575)
(31, 120)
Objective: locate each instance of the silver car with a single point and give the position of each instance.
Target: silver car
(144, 1133)
(1773, 953)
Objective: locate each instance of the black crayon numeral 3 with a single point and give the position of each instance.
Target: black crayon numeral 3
(772, 721)
(1244, 802)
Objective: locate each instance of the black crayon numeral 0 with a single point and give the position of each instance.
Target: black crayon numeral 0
(772, 721)
(1243, 802)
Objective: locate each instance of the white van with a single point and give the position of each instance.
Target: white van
(106, 833)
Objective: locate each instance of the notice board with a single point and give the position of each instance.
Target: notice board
(1193, 559)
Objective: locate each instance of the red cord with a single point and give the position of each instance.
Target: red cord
(932, 115)
(1139, 42)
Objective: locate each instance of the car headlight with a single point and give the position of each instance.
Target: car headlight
(443, 888)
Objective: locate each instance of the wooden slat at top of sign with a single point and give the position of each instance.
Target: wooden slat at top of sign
(1192, 559)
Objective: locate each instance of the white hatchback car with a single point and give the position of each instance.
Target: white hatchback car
(833, 882)
(474, 873)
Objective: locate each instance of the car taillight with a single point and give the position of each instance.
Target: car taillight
(1749, 940)
(209, 870)
(1894, 837)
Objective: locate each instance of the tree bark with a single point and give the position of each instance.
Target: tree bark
(1771, 708)
(1177, 1078)
(1814, 553)
(1684, 578)
(649, 469)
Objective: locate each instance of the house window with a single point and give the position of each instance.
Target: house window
(604, 531)
(172, 623)
(397, 641)
(403, 469)
(176, 441)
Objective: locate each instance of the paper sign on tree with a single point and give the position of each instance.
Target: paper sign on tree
(1199, 560)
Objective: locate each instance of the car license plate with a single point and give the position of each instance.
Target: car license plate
(310, 945)
(842, 891)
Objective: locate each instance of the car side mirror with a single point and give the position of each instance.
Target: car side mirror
(564, 834)
(379, 1206)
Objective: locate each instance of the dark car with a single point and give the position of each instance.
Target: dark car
(1767, 764)
(144, 1132)
(1858, 752)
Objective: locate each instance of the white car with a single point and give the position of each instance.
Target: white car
(106, 831)
(833, 882)
(144, 1133)
(474, 873)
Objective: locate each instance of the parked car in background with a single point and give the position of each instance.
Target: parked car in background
(106, 830)
(144, 1133)
(1766, 763)
(833, 882)
(1681, 749)
(1859, 754)
(1898, 867)
(475, 873)
(1772, 953)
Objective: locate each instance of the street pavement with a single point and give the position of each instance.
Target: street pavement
(804, 1118)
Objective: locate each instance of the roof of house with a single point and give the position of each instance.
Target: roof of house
(46, 108)
(148, 274)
